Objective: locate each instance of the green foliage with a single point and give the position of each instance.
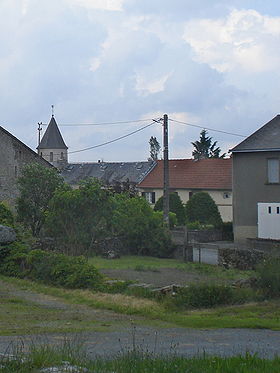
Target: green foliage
(51, 268)
(78, 218)
(227, 229)
(37, 186)
(154, 148)
(139, 227)
(204, 148)
(269, 277)
(204, 296)
(6, 216)
(175, 205)
(203, 209)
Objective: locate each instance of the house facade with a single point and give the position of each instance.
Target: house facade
(256, 184)
(188, 176)
(14, 155)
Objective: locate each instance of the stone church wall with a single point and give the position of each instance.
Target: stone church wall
(14, 155)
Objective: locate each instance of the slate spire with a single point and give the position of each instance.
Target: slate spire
(52, 138)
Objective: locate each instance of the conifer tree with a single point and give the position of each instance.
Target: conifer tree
(204, 148)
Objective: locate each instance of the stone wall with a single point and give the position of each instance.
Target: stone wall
(239, 258)
(14, 155)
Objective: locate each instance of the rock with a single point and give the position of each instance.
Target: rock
(7, 234)
(66, 367)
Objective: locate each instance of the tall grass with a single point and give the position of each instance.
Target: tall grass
(71, 358)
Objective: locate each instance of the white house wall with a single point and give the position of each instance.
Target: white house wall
(222, 198)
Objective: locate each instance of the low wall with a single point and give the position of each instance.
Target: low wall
(267, 246)
(239, 258)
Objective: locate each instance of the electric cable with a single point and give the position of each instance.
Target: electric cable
(206, 128)
(114, 140)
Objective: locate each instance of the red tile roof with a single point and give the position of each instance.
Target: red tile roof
(214, 173)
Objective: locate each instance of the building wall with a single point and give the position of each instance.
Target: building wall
(250, 186)
(14, 155)
(223, 199)
(60, 156)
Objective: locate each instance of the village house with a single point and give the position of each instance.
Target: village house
(256, 184)
(188, 176)
(14, 155)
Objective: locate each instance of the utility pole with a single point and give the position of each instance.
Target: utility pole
(39, 132)
(165, 171)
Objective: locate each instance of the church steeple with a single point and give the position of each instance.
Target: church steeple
(52, 146)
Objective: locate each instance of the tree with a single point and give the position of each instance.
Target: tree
(36, 186)
(175, 205)
(203, 209)
(204, 148)
(140, 229)
(154, 148)
(78, 218)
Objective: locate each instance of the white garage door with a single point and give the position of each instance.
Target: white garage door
(269, 220)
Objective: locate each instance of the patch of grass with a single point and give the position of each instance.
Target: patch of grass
(147, 263)
(136, 360)
(258, 315)
(19, 316)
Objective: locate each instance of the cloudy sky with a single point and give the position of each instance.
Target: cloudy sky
(211, 63)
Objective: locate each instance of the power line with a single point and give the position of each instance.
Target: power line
(100, 124)
(114, 140)
(206, 128)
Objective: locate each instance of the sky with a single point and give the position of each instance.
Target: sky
(210, 63)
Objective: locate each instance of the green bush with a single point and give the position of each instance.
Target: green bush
(140, 229)
(203, 209)
(6, 216)
(51, 268)
(204, 296)
(269, 277)
(175, 205)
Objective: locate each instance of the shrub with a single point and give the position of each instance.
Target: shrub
(175, 205)
(51, 268)
(202, 208)
(204, 296)
(269, 277)
(6, 216)
(140, 229)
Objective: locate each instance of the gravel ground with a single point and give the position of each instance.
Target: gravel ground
(181, 341)
(158, 278)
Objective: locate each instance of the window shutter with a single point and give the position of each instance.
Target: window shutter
(153, 197)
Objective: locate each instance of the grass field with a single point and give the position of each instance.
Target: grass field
(255, 315)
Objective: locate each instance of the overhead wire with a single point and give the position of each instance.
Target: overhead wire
(116, 139)
(101, 123)
(206, 128)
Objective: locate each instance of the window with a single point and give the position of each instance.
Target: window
(51, 156)
(269, 209)
(226, 195)
(273, 170)
(150, 196)
(61, 155)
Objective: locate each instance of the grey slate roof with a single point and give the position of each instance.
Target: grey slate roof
(267, 138)
(109, 173)
(52, 138)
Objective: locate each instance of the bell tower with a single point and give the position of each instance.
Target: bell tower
(52, 146)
